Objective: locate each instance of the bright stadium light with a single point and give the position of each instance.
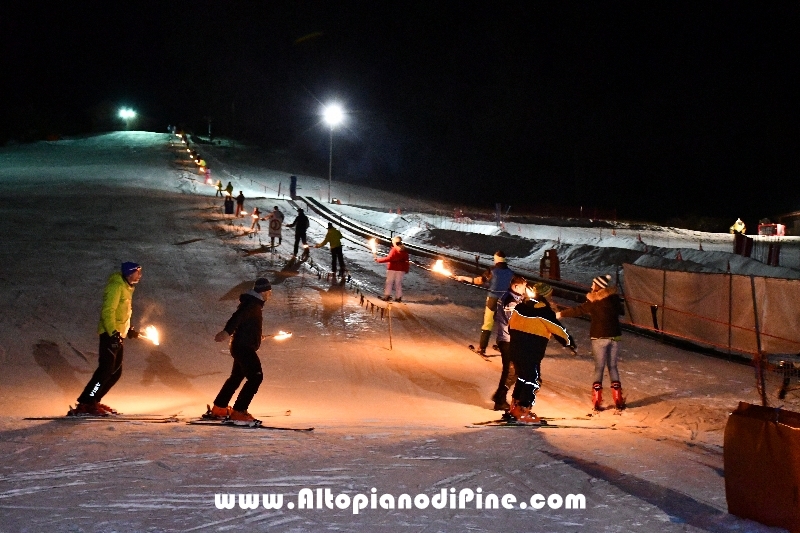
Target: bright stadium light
(127, 115)
(333, 116)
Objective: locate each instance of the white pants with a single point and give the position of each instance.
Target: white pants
(394, 278)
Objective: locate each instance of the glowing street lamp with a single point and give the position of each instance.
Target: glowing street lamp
(127, 115)
(333, 115)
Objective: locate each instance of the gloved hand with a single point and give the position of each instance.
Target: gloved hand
(133, 334)
(573, 347)
(116, 340)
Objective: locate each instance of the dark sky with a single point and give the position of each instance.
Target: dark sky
(655, 109)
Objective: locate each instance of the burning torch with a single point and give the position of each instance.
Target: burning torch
(280, 336)
(439, 268)
(150, 333)
(373, 245)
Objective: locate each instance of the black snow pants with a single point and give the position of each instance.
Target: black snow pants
(109, 369)
(299, 236)
(528, 368)
(246, 364)
(336, 254)
(508, 375)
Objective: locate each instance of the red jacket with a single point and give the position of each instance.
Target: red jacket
(397, 259)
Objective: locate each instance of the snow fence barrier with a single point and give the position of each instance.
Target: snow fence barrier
(762, 465)
(746, 314)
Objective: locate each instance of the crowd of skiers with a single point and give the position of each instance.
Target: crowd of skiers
(523, 320)
(518, 312)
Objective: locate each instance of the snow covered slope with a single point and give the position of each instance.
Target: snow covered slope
(390, 412)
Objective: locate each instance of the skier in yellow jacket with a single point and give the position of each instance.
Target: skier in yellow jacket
(334, 237)
(115, 324)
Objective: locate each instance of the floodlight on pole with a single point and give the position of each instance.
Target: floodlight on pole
(333, 115)
(127, 115)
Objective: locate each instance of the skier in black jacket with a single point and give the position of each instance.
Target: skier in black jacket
(604, 306)
(300, 226)
(244, 327)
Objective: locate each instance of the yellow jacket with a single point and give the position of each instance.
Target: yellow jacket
(117, 309)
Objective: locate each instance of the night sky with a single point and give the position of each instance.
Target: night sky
(656, 110)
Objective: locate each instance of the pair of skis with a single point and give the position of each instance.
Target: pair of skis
(209, 420)
(160, 419)
(546, 422)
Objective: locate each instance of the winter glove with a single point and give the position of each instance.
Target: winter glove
(133, 334)
(116, 340)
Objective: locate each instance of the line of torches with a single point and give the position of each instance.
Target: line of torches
(196, 158)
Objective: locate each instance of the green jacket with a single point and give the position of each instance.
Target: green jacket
(334, 236)
(116, 312)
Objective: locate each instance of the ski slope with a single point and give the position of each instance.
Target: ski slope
(390, 412)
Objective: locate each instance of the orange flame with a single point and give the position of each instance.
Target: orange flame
(373, 246)
(438, 267)
(282, 335)
(151, 334)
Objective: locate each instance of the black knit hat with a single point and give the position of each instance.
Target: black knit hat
(262, 285)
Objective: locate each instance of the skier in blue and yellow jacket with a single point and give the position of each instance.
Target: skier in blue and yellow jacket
(530, 327)
(499, 279)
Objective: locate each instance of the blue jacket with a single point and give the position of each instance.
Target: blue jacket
(499, 278)
(505, 306)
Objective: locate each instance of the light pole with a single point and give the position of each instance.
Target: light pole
(333, 116)
(127, 115)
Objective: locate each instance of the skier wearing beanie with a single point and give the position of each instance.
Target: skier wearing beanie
(244, 328)
(604, 306)
(499, 279)
(530, 326)
(300, 226)
(115, 324)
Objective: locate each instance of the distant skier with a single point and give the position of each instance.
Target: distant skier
(505, 306)
(530, 326)
(300, 226)
(239, 204)
(499, 279)
(275, 224)
(396, 268)
(115, 324)
(604, 306)
(334, 238)
(244, 328)
(256, 216)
